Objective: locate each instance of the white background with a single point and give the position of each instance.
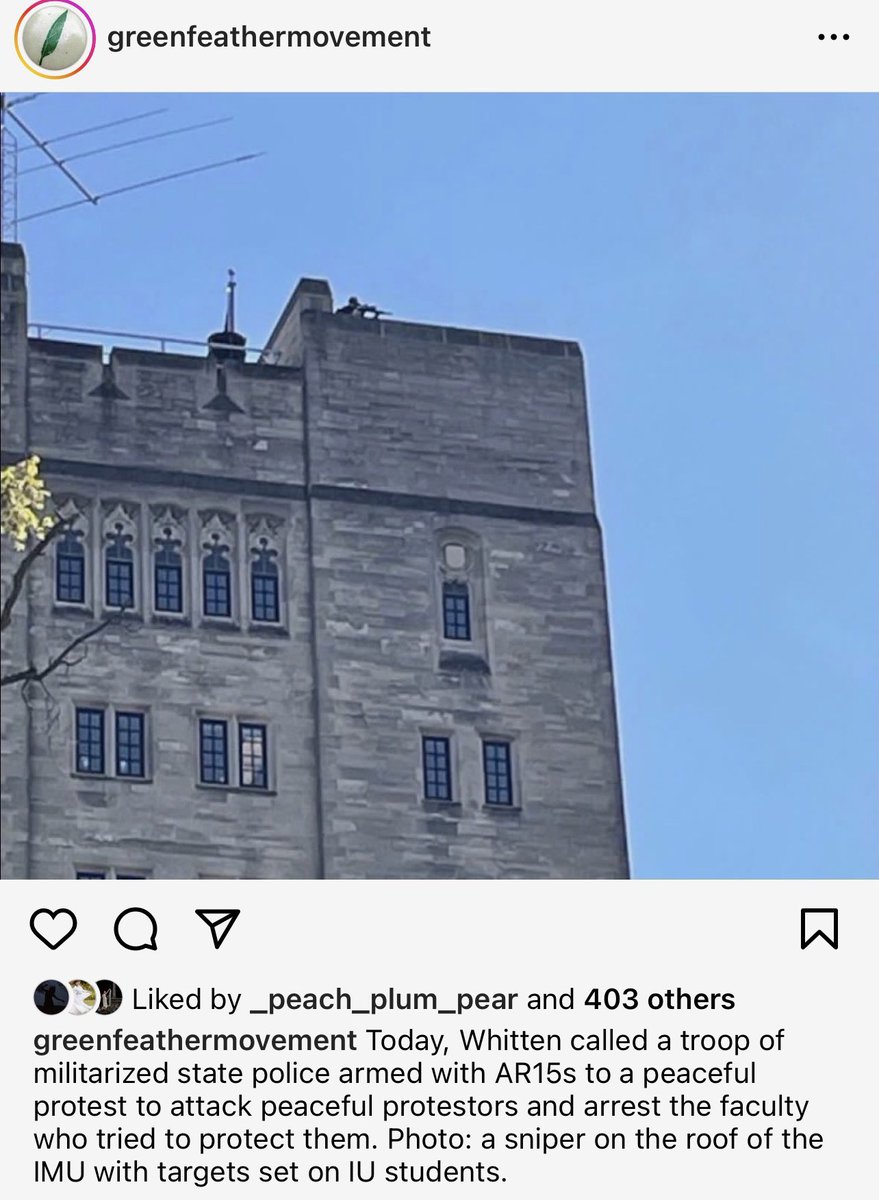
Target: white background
(485, 45)
(493, 936)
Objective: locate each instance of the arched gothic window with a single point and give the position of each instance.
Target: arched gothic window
(70, 568)
(264, 584)
(216, 578)
(168, 573)
(119, 569)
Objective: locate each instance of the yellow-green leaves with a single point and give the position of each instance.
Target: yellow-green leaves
(23, 498)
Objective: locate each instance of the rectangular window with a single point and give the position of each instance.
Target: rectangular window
(456, 612)
(90, 741)
(70, 578)
(130, 745)
(496, 761)
(169, 588)
(264, 597)
(437, 761)
(252, 756)
(105, 875)
(213, 751)
(217, 593)
(120, 583)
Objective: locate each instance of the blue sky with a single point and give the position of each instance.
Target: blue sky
(716, 256)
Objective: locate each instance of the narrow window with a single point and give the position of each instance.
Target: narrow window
(90, 875)
(70, 569)
(213, 751)
(90, 741)
(252, 755)
(130, 745)
(118, 876)
(168, 575)
(498, 775)
(217, 583)
(456, 612)
(264, 603)
(436, 758)
(119, 571)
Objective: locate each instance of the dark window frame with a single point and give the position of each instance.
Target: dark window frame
(436, 765)
(118, 582)
(119, 574)
(213, 751)
(497, 772)
(265, 588)
(216, 584)
(168, 585)
(90, 740)
(457, 618)
(70, 570)
(168, 577)
(259, 775)
(265, 597)
(136, 746)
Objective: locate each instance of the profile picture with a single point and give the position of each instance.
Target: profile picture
(109, 996)
(83, 997)
(54, 40)
(51, 997)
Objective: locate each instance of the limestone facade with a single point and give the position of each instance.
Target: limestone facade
(358, 618)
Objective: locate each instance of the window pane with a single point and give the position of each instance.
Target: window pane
(120, 583)
(90, 875)
(129, 744)
(213, 752)
(169, 587)
(252, 752)
(90, 741)
(436, 756)
(498, 775)
(70, 576)
(264, 596)
(217, 592)
(456, 611)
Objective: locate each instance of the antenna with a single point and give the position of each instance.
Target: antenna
(150, 137)
(230, 303)
(11, 152)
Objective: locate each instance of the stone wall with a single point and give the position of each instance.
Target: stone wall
(361, 450)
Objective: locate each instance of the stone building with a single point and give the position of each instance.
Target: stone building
(359, 625)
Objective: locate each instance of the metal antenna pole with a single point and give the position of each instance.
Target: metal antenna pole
(11, 173)
(80, 187)
(9, 170)
(230, 303)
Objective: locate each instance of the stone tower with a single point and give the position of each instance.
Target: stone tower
(356, 599)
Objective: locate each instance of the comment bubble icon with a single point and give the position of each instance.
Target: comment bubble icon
(136, 929)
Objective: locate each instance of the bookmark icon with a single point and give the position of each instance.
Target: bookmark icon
(219, 921)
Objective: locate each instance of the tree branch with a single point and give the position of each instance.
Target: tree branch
(30, 557)
(32, 674)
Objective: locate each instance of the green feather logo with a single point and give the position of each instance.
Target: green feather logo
(53, 37)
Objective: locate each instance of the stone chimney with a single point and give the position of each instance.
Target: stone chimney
(284, 347)
(13, 351)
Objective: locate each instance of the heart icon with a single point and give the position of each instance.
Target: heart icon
(53, 928)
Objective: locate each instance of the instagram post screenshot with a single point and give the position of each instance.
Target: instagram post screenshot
(440, 658)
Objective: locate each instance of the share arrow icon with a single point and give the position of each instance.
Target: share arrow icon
(219, 921)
